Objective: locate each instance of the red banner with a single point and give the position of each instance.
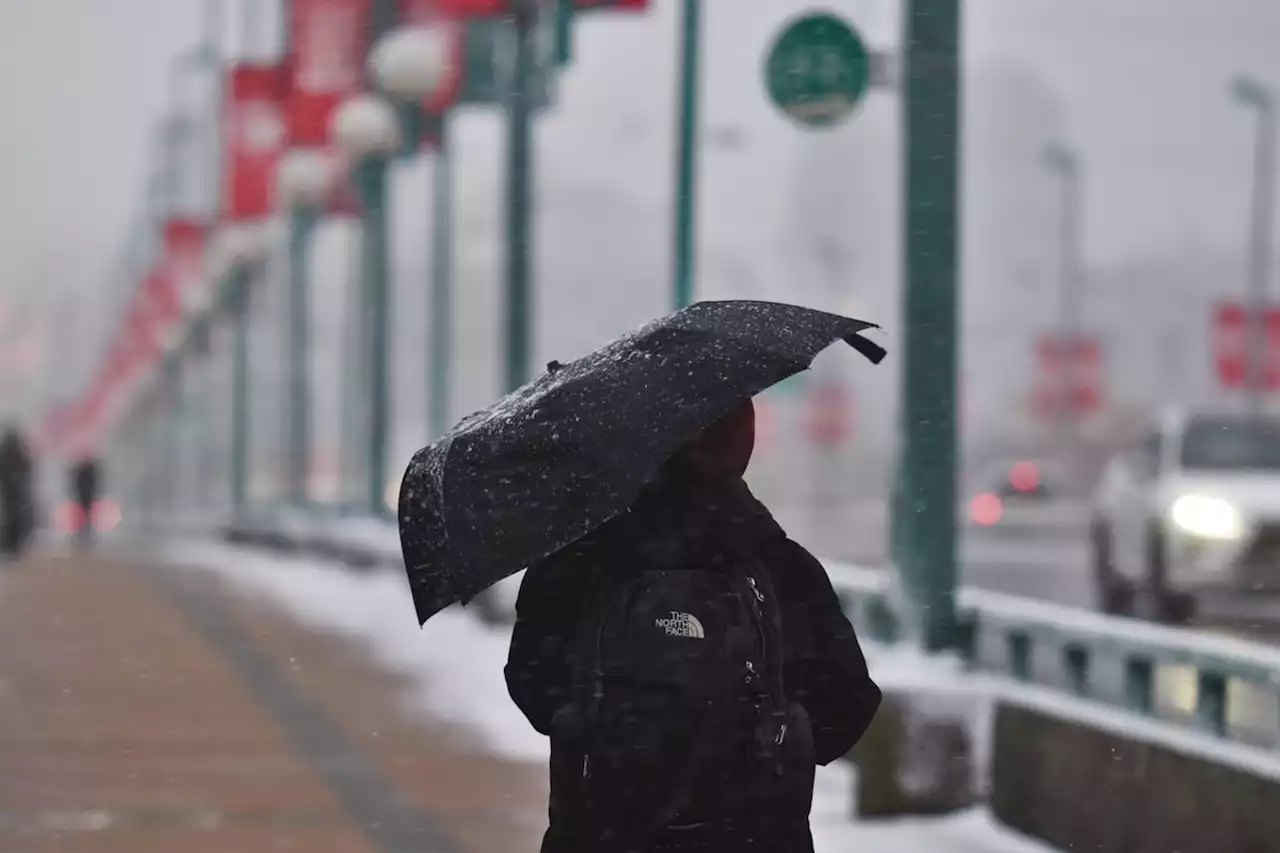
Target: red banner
(1231, 344)
(328, 42)
(183, 255)
(828, 415)
(623, 5)
(160, 293)
(420, 11)
(1271, 365)
(254, 139)
(1070, 375)
(142, 329)
(56, 426)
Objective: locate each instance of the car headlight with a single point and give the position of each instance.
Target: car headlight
(1207, 517)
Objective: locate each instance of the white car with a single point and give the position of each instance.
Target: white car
(1191, 513)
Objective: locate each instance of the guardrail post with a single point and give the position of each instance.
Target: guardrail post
(1075, 660)
(1139, 681)
(1019, 645)
(882, 620)
(1211, 701)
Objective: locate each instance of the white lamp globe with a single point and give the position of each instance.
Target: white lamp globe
(304, 178)
(196, 298)
(170, 339)
(242, 244)
(411, 63)
(366, 126)
(217, 263)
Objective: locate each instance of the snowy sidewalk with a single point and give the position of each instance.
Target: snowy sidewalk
(153, 709)
(452, 671)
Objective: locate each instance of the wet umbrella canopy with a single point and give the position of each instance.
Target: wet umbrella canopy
(560, 456)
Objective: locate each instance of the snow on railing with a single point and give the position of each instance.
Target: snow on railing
(1079, 638)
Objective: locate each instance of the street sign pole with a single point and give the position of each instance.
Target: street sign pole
(519, 155)
(1260, 253)
(925, 492)
(376, 293)
(441, 320)
(686, 155)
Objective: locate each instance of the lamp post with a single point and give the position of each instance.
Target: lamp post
(1260, 98)
(687, 154)
(305, 181)
(241, 248)
(171, 399)
(196, 304)
(924, 512)
(367, 129)
(411, 65)
(1064, 163)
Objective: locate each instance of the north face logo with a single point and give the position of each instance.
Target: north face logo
(681, 625)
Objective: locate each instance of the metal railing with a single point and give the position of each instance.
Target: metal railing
(1222, 685)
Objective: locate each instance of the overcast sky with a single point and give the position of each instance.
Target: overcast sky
(1143, 83)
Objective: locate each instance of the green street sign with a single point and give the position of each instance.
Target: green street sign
(817, 70)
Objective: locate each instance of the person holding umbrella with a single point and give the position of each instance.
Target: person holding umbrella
(689, 662)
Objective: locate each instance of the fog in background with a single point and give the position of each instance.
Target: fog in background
(1139, 87)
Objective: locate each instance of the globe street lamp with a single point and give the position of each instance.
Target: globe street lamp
(305, 182)
(198, 302)
(1259, 97)
(413, 65)
(170, 391)
(366, 129)
(238, 249)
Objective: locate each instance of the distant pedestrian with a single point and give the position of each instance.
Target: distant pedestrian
(85, 485)
(17, 510)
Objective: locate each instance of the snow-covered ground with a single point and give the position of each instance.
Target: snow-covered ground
(454, 665)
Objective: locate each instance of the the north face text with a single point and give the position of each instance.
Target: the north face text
(681, 625)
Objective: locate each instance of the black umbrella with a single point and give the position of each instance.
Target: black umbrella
(555, 459)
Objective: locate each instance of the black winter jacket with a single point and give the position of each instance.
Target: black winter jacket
(824, 669)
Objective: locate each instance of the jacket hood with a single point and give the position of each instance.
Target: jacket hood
(723, 449)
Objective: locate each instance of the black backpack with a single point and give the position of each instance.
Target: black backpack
(679, 716)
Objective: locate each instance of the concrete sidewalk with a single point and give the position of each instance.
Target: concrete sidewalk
(152, 709)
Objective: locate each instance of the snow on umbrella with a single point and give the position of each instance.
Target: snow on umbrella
(562, 455)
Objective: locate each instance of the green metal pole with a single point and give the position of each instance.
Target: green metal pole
(351, 403)
(372, 177)
(440, 366)
(686, 154)
(239, 287)
(1261, 99)
(298, 359)
(925, 494)
(170, 438)
(519, 180)
(207, 445)
(564, 12)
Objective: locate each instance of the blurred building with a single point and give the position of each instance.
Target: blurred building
(1011, 255)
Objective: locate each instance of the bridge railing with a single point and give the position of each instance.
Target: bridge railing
(1226, 686)
(1222, 685)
